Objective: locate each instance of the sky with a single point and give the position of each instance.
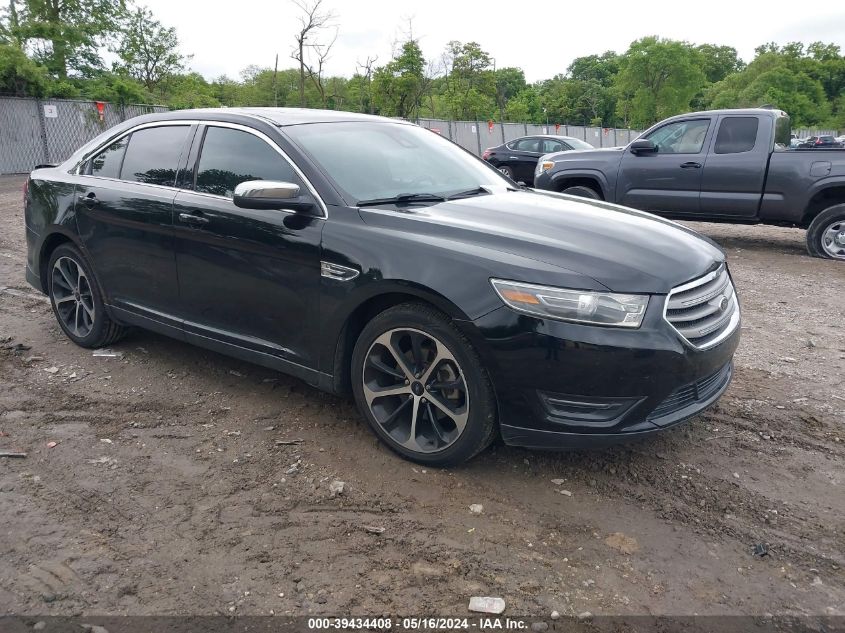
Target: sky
(540, 38)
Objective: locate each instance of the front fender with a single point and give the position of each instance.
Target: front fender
(566, 173)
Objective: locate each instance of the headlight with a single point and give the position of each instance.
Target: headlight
(580, 306)
(543, 165)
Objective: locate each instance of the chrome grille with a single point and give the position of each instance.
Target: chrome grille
(704, 311)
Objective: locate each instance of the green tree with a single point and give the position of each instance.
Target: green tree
(719, 61)
(601, 68)
(68, 35)
(400, 86)
(19, 75)
(470, 85)
(657, 78)
(509, 82)
(148, 51)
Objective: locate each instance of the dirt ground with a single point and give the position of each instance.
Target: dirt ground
(166, 492)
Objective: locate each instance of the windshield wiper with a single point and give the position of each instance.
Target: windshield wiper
(403, 197)
(469, 192)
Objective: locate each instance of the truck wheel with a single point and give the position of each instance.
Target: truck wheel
(826, 235)
(582, 191)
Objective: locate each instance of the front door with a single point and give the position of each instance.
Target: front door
(249, 278)
(124, 210)
(527, 152)
(668, 180)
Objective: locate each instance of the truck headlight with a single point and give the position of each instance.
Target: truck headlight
(543, 165)
(579, 306)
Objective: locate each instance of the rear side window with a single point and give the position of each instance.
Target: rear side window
(528, 145)
(106, 164)
(153, 155)
(736, 134)
(230, 157)
(552, 146)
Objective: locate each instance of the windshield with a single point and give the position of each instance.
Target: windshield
(375, 160)
(578, 144)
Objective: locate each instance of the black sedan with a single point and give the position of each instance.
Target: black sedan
(517, 159)
(368, 256)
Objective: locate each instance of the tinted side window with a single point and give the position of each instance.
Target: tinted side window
(528, 145)
(230, 157)
(552, 146)
(107, 162)
(681, 137)
(736, 134)
(153, 155)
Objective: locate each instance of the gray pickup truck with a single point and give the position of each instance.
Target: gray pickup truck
(717, 166)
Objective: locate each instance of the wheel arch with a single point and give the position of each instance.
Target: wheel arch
(367, 308)
(49, 244)
(586, 178)
(823, 198)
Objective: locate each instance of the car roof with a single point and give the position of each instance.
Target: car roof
(556, 137)
(279, 116)
(769, 112)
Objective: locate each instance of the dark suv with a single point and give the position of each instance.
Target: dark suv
(367, 255)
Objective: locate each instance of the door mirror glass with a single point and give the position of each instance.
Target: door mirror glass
(643, 146)
(270, 194)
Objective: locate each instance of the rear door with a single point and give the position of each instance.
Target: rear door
(247, 277)
(527, 152)
(669, 180)
(735, 171)
(124, 213)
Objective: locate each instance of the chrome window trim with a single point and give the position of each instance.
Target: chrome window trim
(695, 283)
(188, 122)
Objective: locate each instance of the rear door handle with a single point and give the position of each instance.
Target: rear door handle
(193, 219)
(691, 165)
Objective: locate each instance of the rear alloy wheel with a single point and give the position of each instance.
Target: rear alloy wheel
(76, 300)
(420, 386)
(508, 171)
(582, 192)
(826, 234)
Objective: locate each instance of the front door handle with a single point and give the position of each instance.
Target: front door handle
(191, 218)
(691, 165)
(89, 200)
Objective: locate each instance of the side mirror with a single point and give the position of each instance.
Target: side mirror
(643, 146)
(271, 194)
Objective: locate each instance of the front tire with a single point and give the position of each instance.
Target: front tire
(582, 191)
(77, 302)
(422, 387)
(826, 234)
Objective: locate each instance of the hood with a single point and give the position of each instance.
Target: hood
(621, 249)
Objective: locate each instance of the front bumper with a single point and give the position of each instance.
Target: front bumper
(566, 385)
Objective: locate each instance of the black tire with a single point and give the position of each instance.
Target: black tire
(480, 405)
(508, 171)
(103, 330)
(582, 191)
(826, 221)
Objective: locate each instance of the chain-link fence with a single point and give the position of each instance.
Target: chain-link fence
(38, 131)
(476, 136)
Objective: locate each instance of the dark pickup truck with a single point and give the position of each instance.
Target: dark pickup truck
(718, 166)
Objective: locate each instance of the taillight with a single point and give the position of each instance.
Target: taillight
(486, 154)
(818, 141)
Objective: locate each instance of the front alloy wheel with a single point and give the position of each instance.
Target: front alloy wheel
(422, 387)
(415, 390)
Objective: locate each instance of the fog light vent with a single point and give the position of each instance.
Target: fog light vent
(585, 411)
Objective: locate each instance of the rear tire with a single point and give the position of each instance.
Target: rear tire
(77, 302)
(826, 234)
(508, 171)
(440, 409)
(582, 191)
